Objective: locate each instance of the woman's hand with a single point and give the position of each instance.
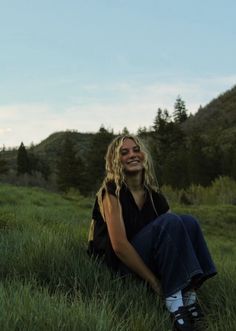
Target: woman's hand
(156, 286)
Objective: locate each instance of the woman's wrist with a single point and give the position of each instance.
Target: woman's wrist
(155, 285)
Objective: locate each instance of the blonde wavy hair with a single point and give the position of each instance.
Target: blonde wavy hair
(114, 168)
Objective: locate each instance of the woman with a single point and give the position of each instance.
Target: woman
(135, 232)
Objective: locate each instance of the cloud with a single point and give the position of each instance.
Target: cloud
(19, 111)
(5, 130)
(22, 122)
(129, 104)
(195, 92)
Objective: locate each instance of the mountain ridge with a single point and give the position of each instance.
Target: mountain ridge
(219, 113)
(213, 124)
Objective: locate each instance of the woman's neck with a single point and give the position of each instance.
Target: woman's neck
(134, 182)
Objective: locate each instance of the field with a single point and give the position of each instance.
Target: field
(49, 283)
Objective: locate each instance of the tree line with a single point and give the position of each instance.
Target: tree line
(180, 157)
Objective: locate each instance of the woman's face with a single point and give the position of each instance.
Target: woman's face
(131, 157)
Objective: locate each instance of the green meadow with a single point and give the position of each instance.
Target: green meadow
(49, 283)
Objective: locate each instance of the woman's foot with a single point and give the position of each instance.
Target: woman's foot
(197, 316)
(182, 320)
(195, 311)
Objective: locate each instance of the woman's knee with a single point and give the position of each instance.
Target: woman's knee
(169, 219)
(189, 221)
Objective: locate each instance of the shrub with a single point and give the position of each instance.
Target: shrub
(221, 191)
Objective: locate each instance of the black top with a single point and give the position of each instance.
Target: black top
(134, 220)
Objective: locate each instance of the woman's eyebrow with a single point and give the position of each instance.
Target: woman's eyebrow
(126, 149)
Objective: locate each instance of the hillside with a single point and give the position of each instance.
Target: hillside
(218, 115)
(208, 148)
(49, 148)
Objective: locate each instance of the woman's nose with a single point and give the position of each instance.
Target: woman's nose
(131, 153)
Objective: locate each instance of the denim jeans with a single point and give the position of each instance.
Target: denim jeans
(174, 248)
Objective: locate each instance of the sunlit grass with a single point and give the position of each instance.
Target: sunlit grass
(49, 283)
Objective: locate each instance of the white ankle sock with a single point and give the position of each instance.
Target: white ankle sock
(189, 298)
(173, 303)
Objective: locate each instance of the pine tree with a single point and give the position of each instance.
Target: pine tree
(125, 131)
(3, 164)
(233, 165)
(180, 111)
(198, 164)
(169, 150)
(69, 167)
(38, 164)
(161, 121)
(142, 131)
(23, 164)
(96, 158)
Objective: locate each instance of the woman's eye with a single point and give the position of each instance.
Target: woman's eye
(123, 152)
(136, 149)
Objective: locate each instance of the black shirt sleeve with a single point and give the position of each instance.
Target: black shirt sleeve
(111, 188)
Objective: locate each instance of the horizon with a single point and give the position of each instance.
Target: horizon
(8, 148)
(80, 65)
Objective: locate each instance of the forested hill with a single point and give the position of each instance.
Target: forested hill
(50, 148)
(186, 150)
(52, 145)
(219, 114)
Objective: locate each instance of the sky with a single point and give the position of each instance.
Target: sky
(80, 64)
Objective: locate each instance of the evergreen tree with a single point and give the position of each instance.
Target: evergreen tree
(173, 152)
(37, 164)
(233, 165)
(161, 121)
(199, 165)
(23, 164)
(95, 169)
(125, 131)
(168, 150)
(142, 131)
(69, 167)
(3, 164)
(180, 111)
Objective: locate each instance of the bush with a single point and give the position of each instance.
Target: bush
(35, 179)
(221, 191)
(224, 189)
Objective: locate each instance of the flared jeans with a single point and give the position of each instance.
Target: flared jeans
(174, 248)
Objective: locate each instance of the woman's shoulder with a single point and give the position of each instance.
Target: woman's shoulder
(160, 201)
(157, 194)
(111, 187)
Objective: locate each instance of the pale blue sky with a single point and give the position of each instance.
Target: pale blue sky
(79, 64)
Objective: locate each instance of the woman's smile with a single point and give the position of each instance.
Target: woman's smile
(131, 156)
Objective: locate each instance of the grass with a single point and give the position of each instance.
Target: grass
(49, 283)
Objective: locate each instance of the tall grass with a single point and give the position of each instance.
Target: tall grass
(221, 191)
(49, 283)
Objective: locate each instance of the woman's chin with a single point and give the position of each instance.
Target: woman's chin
(133, 170)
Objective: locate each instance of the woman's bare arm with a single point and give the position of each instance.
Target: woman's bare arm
(120, 244)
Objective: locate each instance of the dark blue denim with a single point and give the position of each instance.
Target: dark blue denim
(174, 248)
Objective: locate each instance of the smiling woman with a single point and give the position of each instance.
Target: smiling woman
(131, 156)
(134, 232)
